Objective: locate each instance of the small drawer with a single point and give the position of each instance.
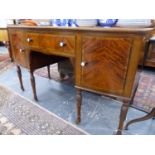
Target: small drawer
(33, 40)
(58, 44)
(20, 55)
(50, 42)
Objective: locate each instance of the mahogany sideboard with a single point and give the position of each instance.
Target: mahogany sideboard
(106, 59)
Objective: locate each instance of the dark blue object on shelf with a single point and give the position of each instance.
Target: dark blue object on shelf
(107, 22)
(63, 22)
(59, 22)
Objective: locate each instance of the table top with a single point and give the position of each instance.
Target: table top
(98, 29)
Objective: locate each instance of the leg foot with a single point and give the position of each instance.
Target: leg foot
(123, 113)
(33, 86)
(48, 69)
(20, 77)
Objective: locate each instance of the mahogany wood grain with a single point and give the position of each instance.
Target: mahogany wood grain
(18, 48)
(106, 59)
(106, 63)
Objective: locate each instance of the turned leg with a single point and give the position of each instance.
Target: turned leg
(48, 69)
(78, 100)
(33, 85)
(123, 113)
(148, 116)
(20, 77)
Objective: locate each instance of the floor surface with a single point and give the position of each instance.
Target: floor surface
(100, 114)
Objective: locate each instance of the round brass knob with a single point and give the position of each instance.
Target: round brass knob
(29, 40)
(62, 44)
(83, 63)
(21, 50)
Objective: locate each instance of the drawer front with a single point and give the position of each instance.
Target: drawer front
(52, 43)
(20, 56)
(32, 40)
(19, 50)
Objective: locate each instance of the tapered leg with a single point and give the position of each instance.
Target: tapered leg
(20, 77)
(123, 113)
(146, 117)
(78, 100)
(48, 69)
(33, 85)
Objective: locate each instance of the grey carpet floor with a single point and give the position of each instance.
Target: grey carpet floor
(19, 115)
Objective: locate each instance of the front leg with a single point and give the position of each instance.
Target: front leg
(33, 84)
(78, 100)
(123, 113)
(20, 77)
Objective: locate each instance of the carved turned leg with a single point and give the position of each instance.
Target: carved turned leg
(33, 85)
(123, 113)
(20, 77)
(148, 116)
(48, 69)
(78, 105)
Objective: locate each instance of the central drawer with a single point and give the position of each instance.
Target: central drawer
(52, 43)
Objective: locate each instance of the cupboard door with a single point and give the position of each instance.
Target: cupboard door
(104, 63)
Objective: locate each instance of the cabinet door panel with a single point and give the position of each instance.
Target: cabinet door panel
(105, 62)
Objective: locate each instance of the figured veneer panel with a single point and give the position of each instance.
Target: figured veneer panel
(106, 62)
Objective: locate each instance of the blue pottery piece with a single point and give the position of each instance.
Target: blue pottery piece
(107, 22)
(72, 23)
(59, 22)
(63, 22)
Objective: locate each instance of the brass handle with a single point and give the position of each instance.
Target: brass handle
(29, 40)
(21, 50)
(83, 64)
(62, 44)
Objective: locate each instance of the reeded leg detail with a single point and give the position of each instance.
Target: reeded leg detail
(123, 113)
(148, 116)
(78, 100)
(33, 85)
(20, 77)
(48, 69)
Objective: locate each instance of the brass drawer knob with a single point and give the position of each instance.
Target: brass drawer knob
(29, 40)
(83, 63)
(62, 44)
(21, 50)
